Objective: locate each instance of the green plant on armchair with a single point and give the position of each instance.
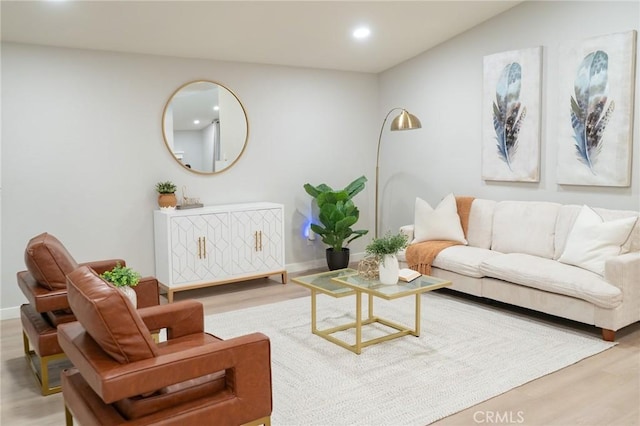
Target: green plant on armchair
(124, 278)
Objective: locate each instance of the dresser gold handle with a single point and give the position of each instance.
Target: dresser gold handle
(260, 233)
(204, 247)
(199, 248)
(255, 238)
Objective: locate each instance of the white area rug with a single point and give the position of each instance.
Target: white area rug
(466, 354)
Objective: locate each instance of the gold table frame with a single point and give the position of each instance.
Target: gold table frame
(346, 282)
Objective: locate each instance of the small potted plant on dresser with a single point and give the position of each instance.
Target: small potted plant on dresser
(124, 278)
(167, 195)
(385, 250)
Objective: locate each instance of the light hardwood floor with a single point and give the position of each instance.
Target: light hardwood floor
(601, 390)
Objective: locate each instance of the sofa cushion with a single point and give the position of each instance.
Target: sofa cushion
(48, 261)
(554, 277)
(525, 227)
(481, 223)
(568, 214)
(108, 316)
(593, 240)
(464, 260)
(441, 223)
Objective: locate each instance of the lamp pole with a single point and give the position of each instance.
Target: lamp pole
(404, 121)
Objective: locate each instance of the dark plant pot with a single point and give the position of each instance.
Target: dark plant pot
(337, 259)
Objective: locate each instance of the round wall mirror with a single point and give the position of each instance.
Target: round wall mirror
(205, 127)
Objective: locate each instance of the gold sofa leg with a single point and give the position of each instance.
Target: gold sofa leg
(43, 376)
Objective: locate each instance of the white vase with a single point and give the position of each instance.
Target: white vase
(388, 269)
(131, 294)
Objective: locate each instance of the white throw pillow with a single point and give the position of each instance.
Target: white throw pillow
(443, 223)
(592, 241)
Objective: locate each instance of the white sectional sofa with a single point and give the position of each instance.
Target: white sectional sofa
(512, 256)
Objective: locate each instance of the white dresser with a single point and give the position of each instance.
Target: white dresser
(218, 244)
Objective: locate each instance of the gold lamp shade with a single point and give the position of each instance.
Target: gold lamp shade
(405, 121)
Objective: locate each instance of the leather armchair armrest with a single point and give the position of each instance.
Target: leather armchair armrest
(147, 289)
(40, 298)
(246, 360)
(101, 266)
(179, 318)
(148, 292)
(45, 300)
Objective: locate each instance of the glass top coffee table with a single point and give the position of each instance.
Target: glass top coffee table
(347, 282)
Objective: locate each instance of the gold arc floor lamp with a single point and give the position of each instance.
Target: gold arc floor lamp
(404, 121)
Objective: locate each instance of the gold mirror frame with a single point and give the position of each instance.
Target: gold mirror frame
(181, 92)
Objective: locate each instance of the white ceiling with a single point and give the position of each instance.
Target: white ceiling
(313, 34)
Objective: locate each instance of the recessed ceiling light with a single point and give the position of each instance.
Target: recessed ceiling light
(361, 33)
(196, 121)
(216, 108)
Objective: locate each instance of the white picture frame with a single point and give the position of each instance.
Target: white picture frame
(505, 158)
(600, 156)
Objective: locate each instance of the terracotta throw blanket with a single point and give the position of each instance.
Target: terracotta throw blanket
(421, 255)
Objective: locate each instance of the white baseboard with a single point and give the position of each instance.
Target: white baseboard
(10, 313)
(14, 311)
(305, 266)
(318, 263)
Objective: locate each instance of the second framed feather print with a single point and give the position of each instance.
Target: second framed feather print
(595, 101)
(511, 116)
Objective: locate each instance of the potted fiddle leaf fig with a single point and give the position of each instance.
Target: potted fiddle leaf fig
(337, 214)
(167, 195)
(124, 278)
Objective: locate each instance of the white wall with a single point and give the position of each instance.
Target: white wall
(233, 129)
(192, 144)
(208, 135)
(83, 148)
(443, 87)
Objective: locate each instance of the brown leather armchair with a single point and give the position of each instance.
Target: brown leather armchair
(121, 376)
(44, 285)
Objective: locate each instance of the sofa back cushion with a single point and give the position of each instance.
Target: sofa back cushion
(481, 223)
(109, 317)
(592, 240)
(525, 227)
(48, 261)
(567, 218)
(441, 223)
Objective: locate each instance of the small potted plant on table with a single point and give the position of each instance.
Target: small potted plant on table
(385, 250)
(124, 278)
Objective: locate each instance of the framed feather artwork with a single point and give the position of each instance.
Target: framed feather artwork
(511, 116)
(596, 111)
